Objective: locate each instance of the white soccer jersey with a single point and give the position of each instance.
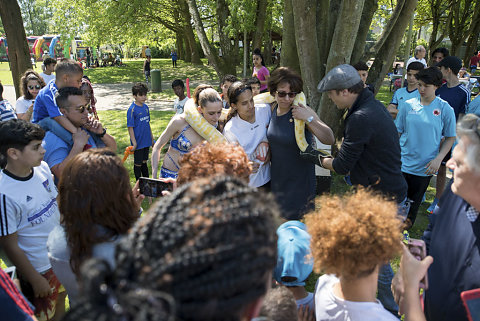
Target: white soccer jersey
(29, 207)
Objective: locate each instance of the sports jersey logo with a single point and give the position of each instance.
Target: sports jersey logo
(29, 198)
(46, 184)
(436, 112)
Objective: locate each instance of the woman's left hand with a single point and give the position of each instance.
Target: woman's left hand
(137, 196)
(302, 112)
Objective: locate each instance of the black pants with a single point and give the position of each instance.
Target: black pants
(174, 63)
(417, 186)
(140, 157)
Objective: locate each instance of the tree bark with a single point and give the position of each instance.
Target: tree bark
(261, 15)
(209, 52)
(473, 36)
(229, 56)
(341, 49)
(289, 55)
(369, 9)
(18, 50)
(191, 45)
(305, 18)
(386, 53)
(460, 23)
(186, 49)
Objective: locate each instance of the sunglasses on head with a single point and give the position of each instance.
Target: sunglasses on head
(284, 93)
(34, 87)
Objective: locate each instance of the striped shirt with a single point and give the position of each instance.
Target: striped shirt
(6, 111)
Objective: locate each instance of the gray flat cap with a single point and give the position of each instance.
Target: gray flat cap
(340, 77)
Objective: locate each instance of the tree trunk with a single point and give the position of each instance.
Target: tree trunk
(179, 45)
(459, 27)
(369, 9)
(305, 18)
(191, 45)
(229, 56)
(18, 50)
(473, 36)
(211, 54)
(341, 49)
(186, 49)
(259, 23)
(386, 53)
(289, 55)
(437, 7)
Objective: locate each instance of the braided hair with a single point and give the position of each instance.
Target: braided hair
(211, 245)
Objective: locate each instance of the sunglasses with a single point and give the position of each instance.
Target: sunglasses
(81, 109)
(282, 94)
(34, 87)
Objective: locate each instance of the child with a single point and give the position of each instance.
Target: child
(405, 93)
(294, 261)
(352, 237)
(29, 213)
(457, 96)
(138, 123)
(278, 305)
(254, 83)
(179, 90)
(68, 74)
(6, 110)
(259, 69)
(49, 67)
(227, 81)
(421, 123)
(146, 68)
(362, 69)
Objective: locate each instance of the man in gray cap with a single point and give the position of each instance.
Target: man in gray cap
(370, 152)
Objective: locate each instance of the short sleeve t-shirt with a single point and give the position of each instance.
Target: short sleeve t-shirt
(138, 117)
(249, 136)
(422, 128)
(47, 78)
(261, 74)
(457, 97)
(402, 95)
(29, 208)
(22, 105)
(474, 107)
(179, 104)
(6, 111)
(45, 104)
(329, 307)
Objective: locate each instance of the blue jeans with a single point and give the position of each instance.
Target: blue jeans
(385, 276)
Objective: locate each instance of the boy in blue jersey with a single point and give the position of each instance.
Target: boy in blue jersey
(138, 123)
(68, 74)
(458, 97)
(411, 91)
(29, 212)
(421, 124)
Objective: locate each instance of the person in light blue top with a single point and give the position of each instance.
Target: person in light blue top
(138, 123)
(405, 93)
(421, 124)
(474, 107)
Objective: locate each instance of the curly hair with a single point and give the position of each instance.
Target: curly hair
(207, 160)
(211, 245)
(30, 75)
(353, 234)
(94, 190)
(285, 75)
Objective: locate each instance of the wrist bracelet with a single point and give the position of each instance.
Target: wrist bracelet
(103, 133)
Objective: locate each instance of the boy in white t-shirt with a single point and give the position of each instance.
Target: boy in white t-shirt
(49, 67)
(28, 213)
(179, 90)
(352, 237)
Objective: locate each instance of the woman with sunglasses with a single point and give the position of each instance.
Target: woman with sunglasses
(247, 125)
(292, 177)
(31, 85)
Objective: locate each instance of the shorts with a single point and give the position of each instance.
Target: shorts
(140, 155)
(166, 173)
(44, 307)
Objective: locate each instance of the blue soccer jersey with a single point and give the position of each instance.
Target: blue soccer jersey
(138, 117)
(45, 104)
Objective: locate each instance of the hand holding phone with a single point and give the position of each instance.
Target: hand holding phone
(154, 187)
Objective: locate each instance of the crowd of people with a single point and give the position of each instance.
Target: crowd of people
(242, 230)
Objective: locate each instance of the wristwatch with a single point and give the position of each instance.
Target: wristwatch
(310, 119)
(103, 133)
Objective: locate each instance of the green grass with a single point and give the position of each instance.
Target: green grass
(6, 74)
(133, 71)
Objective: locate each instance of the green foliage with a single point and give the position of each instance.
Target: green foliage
(36, 15)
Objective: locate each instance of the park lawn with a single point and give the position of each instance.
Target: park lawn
(6, 74)
(133, 71)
